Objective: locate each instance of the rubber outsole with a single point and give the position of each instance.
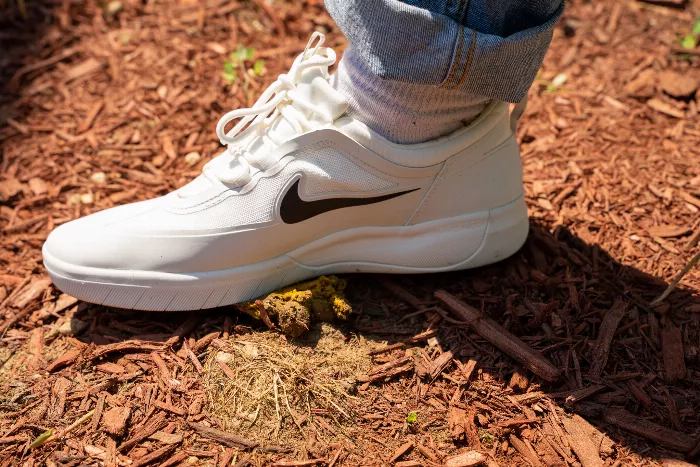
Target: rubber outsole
(456, 243)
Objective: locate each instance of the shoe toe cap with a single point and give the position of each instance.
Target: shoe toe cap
(97, 241)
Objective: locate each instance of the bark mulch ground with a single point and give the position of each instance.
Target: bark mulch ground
(553, 357)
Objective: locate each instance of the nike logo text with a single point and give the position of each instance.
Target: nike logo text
(293, 209)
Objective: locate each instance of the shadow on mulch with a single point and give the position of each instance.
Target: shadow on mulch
(23, 41)
(554, 294)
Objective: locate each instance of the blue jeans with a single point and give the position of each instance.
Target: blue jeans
(486, 48)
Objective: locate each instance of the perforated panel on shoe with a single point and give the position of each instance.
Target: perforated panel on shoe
(324, 169)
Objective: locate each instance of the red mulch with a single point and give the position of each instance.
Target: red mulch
(101, 108)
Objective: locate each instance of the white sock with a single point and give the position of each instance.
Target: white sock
(402, 112)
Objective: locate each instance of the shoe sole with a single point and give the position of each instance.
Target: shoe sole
(450, 244)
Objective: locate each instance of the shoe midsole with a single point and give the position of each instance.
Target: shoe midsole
(434, 246)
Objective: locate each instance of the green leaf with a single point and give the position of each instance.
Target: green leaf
(412, 417)
(230, 77)
(228, 67)
(41, 439)
(688, 42)
(487, 438)
(249, 53)
(696, 27)
(259, 67)
(242, 54)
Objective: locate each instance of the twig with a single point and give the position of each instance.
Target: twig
(277, 404)
(499, 337)
(663, 436)
(71, 427)
(674, 283)
(222, 437)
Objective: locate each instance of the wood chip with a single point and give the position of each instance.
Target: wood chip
(176, 459)
(63, 302)
(676, 463)
(204, 342)
(667, 3)
(144, 431)
(111, 368)
(638, 392)
(10, 188)
(245, 461)
(426, 452)
(528, 454)
(392, 368)
(663, 107)
(606, 333)
(678, 85)
(166, 438)
(85, 68)
(585, 448)
(400, 292)
(578, 395)
(155, 455)
(125, 346)
(519, 380)
(30, 292)
(292, 463)
(436, 367)
(170, 408)
(99, 408)
(91, 116)
(402, 450)
(673, 354)
(668, 231)
(465, 459)
(64, 360)
(114, 420)
(462, 427)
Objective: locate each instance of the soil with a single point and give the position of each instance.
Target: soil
(553, 357)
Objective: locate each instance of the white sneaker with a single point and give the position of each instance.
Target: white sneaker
(302, 191)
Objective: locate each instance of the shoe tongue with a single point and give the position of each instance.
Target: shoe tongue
(313, 87)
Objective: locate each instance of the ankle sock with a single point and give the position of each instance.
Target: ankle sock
(404, 113)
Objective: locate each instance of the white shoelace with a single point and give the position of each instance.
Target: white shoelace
(276, 102)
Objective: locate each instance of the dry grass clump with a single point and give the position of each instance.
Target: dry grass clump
(270, 390)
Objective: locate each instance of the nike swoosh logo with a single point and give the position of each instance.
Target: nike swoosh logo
(293, 209)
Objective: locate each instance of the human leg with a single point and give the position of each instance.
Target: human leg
(419, 69)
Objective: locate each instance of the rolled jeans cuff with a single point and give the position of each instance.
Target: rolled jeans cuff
(406, 43)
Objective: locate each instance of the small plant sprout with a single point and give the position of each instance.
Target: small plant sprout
(690, 41)
(237, 59)
(486, 438)
(259, 67)
(229, 73)
(696, 27)
(411, 417)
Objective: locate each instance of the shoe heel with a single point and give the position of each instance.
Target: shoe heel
(505, 235)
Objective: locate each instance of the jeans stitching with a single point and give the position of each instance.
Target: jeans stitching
(458, 53)
(469, 62)
(455, 63)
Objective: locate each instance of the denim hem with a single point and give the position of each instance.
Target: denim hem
(406, 42)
